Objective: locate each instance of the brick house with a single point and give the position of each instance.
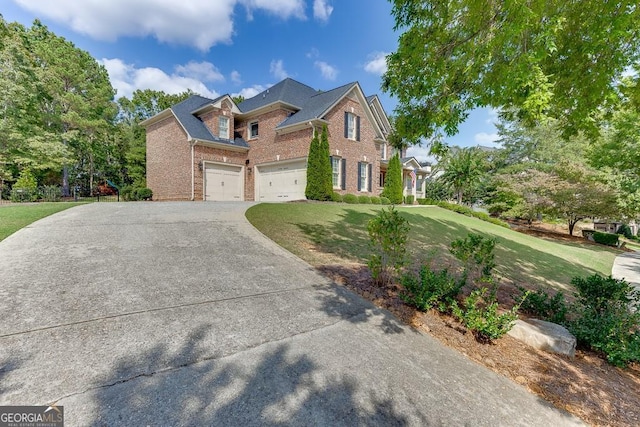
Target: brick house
(213, 149)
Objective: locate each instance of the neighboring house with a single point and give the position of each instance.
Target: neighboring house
(213, 149)
(613, 226)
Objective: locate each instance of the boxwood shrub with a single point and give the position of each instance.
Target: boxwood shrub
(364, 200)
(606, 238)
(350, 198)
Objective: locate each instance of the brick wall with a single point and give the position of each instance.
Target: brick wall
(168, 161)
(364, 150)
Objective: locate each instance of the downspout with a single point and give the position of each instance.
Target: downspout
(193, 172)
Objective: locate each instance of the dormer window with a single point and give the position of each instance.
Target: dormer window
(253, 130)
(223, 127)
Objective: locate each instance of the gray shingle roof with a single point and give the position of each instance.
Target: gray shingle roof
(195, 127)
(288, 91)
(316, 106)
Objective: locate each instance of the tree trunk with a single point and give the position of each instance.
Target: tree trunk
(572, 224)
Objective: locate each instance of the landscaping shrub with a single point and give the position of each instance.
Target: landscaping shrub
(388, 234)
(426, 201)
(384, 201)
(475, 251)
(464, 210)
(408, 200)
(429, 289)
(608, 239)
(25, 189)
(350, 198)
(143, 193)
(607, 317)
(129, 193)
(336, 197)
(625, 230)
(364, 200)
(375, 200)
(393, 181)
(479, 314)
(540, 304)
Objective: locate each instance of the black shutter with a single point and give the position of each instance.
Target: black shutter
(370, 172)
(346, 124)
(357, 128)
(343, 184)
(359, 175)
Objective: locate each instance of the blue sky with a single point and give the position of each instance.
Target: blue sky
(235, 46)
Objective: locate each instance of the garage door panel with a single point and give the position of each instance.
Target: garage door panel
(283, 182)
(223, 183)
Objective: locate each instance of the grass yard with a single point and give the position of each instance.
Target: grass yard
(332, 233)
(15, 217)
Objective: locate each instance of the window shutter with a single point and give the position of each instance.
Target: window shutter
(346, 124)
(357, 128)
(369, 174)
(359, 175)
(343, 184)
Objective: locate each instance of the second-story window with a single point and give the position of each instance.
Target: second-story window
(351, 126)
(223, 127)
(253, 130)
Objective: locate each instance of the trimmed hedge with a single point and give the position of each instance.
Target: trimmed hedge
(464, 210)
(336, 197)
(352, 199)
(384, 200)
(364, 200)
(375, 200)
(606, 238)
(408, 200)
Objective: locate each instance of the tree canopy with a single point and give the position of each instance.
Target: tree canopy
(535, 58)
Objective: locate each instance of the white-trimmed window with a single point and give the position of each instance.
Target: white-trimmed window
(223, 127)
(335, 166)
(351, 126)
(364, 176)
(253, 130)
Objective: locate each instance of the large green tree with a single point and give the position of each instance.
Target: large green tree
(557, 58)
(463, 169)
(77, 105)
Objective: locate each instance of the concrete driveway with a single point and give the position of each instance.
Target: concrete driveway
(183, 314)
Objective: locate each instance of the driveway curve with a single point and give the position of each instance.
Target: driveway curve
(184, 314)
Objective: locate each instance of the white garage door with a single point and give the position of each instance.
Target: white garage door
(282, 182)
(223, 183)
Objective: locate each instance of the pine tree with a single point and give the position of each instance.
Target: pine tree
(325, 169)
(393, 181)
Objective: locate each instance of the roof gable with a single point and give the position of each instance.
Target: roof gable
(288, 91)
(318, 105)
(194, 127)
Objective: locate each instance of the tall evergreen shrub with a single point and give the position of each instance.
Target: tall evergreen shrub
(393, 181)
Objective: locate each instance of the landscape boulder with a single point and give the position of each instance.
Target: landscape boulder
(544, 336)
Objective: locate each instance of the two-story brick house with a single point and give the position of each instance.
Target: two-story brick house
(213, 149)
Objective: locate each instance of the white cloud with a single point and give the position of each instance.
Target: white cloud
(126, 78)
(419, 152)
(197, 23)
(313, 53)
(493, 116)
(250, 92)
(204, 71)
(277, 70)
(377, 63)
(486, 138)
(329, 72)
(235, 77)
(322, 10)
(281, 8)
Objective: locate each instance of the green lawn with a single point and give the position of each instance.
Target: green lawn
(15, 217)
(330, 232)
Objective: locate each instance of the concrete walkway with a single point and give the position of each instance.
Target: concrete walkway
(182, 314)
(627, 266)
